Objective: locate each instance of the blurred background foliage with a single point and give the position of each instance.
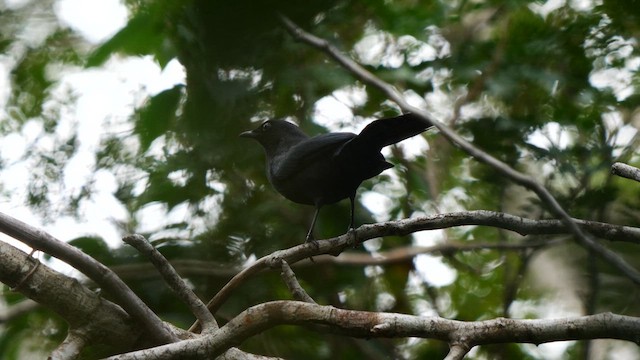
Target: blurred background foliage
(550, 88)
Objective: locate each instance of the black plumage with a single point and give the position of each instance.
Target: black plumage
(327, 168)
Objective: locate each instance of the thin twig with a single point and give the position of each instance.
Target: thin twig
(293, 285)
(175, 282)
(457, 352)
(94, 270)
(214, 304)
(71, 346)
(524, 180)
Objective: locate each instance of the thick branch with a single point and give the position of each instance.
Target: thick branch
(370, 324)
(93, 269)
(519, 178)
(103, 322)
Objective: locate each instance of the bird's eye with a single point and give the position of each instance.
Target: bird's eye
(266, 126)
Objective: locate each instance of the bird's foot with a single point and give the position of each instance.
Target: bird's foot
(313, 242)
(352, 238)
(310, 237)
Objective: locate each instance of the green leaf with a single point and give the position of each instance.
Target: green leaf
(94, 246)
(143, 35)
(158, 115)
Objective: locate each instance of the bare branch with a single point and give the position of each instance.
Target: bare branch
(370, 324)
(104, 322)
(293, 285)
(522, 179)
(236, 354)
(175, 282)
(520, 225)
(407, 226)
(214, 304)
(71, 347)
(93, 269)
(626, 171)
(457, 352)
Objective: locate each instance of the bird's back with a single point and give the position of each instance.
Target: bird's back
(317, 171)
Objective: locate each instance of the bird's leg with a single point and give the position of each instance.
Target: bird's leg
(351, 230)
(313, 224)
(352, 200)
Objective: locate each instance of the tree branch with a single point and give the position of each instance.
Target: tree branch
(519, 178)
(103, 321)
(336, 245)
(457, 352)
(71, 347)
(625, 171)
(293, 285)
(93, 269)
(175, 282)
(390, 325)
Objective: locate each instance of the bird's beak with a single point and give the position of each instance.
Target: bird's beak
(248, 134)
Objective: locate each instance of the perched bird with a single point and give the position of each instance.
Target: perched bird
(327, 168)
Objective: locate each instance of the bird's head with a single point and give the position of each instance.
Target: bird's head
(276, 135)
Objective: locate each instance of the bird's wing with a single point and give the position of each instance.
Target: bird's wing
(385, 132)
(309, 151)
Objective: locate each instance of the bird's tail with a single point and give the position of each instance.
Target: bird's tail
(385, 132)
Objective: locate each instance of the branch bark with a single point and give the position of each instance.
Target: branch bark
(371, 324)
(93, 269)
(289, 278)
(175, 282)
(102, 321)
(625, 171)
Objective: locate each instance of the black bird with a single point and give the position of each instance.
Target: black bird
(327, 168)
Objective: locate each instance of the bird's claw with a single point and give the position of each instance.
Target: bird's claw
(352, 238)
(313, 242)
